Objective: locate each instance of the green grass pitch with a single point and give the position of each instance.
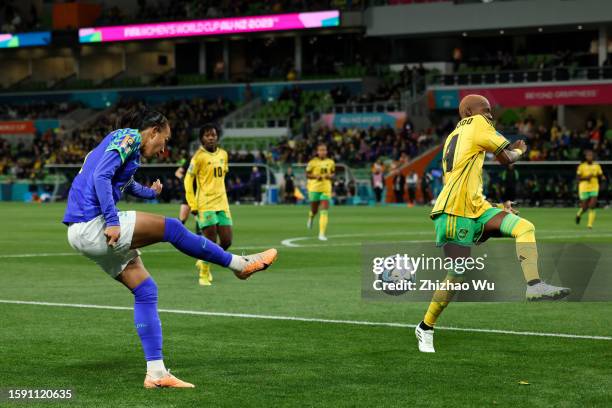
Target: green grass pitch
(265, 362)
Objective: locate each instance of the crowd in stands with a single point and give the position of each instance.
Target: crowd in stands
(186, 116)
(503, 60)
(551, 187)
(59, 146)
(560, 65)
(352, 146)
(390, 87)
(356, 147)
(13, 20)
(149, 10)
(37, 110)
(404, 2)
(16, 19)
(546, 143)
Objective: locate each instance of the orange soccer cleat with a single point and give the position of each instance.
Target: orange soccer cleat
(167, 381)
(257, 262)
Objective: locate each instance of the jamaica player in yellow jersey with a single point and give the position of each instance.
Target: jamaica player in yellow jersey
(588, 174)
(208, 168)
(320, 172)
(462, 217)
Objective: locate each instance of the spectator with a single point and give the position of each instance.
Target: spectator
(457, 58)
(378, 179)
(412, 182)
(426, 182)
(340, 191)
(436, 181)
(510, 179)
(290, 186)
(398, 182)
(255, 183)
(235, 189)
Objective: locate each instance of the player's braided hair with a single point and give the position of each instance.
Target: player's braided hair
(207, 128)
(142, 118)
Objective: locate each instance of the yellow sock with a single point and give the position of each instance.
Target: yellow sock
(204, 269)
(310, 214)
(580, 212)
(591, 218)
(439, 301)
(433, 312)
(526, 249)
(323, 222)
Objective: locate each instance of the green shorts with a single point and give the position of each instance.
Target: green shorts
(208, 218)
(461, 230)
(318, 196)
(588, 194)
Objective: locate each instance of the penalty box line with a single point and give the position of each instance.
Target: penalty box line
(309, 319)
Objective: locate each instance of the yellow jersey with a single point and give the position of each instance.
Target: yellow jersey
(209, 170)
(462, 159)
(593, 172)
(317, 167)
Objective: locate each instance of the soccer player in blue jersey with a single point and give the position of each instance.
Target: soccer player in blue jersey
(111, 238)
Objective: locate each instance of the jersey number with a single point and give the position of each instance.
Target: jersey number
(323, 170)
(218, 171)
(449, 155)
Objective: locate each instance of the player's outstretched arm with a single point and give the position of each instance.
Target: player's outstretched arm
(188, 183)
(512, 153)
(138, 190)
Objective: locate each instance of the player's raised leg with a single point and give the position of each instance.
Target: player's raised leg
(511, 225)
(153, 228)
(148, 325)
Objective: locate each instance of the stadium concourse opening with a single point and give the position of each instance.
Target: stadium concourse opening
(228, 168)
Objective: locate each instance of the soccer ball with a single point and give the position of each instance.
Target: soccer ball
(398, 273)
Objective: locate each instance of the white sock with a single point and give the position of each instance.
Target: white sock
(237, 263)
(156, 369)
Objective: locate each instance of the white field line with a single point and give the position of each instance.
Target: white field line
(309, 319)
(290, 243)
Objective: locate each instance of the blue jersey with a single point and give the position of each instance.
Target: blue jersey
(107, 172)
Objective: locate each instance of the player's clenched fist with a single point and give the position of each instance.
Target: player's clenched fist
(519, 144)
(157, 186)
(112, 235)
